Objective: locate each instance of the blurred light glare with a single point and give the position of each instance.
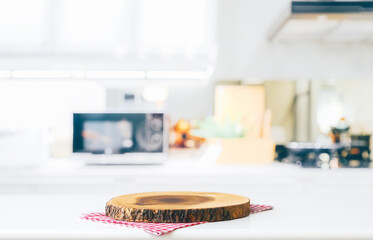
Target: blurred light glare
(5, 74)
(116, 74)
(324, 157)
(41, 74)
(177, 74)
(78, 74)
(322, 18)
(155, 94)
(329, 112)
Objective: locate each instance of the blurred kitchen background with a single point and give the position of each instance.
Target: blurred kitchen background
(295, 77)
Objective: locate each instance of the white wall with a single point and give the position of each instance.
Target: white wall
(245, 53)
(185, 101)
(241, 31)
(47, 104)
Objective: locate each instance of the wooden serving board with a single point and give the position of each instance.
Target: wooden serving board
(177, 207)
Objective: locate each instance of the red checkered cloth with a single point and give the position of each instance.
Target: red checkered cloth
(156, 228)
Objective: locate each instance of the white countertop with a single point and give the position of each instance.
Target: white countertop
(45, 203)
(295, 216)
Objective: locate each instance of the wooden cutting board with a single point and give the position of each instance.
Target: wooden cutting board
(177, 207)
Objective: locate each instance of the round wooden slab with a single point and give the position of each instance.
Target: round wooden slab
(177, 207)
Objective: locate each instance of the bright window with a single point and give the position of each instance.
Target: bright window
(182, 27)
(23, 25)
(47, 103)
(130, 30)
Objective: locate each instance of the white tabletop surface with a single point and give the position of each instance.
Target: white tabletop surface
(45, 203)
(295, 216)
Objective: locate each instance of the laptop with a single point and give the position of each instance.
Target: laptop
(120, 137)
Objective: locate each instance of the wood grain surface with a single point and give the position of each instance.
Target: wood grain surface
(177, 207)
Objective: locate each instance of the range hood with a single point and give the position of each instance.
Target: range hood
(327, 21)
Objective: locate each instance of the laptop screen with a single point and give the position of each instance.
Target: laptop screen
(118, 133)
